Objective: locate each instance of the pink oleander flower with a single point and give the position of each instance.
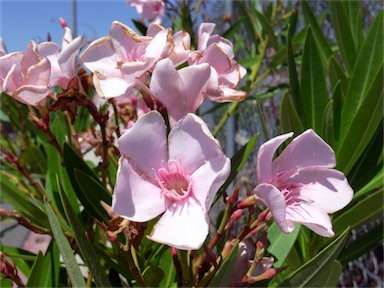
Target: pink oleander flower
(118, 60)
(176, 177)
(299, 185)
(180, 91)
(181, 40)
(25, 76)
(151, 10)
(226, 72)
(62, 59)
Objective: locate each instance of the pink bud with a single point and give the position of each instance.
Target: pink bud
(63, 23)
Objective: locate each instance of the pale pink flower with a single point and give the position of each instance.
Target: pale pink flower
(299, 185)
(176, 176)
(226, 72)
(180, 91)
(62, 59)
(25, 76)
(118, 60)
(181, 43)
(151, 10)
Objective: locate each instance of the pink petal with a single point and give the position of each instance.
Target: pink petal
(182, 226)
(124, 40)
(68, 56)
(275, 201)
(265, 157)
(100, 56)
(31, 94)
(326, 189)
(217, 58)
(208, 178)
(196, 79)
(135, 69)
(109, 86)
(192, 144)
(306, 150)
(39, 73)
(315, 219)
(134, 197)
(67, 38)
(228, 95)
(153, 29)
(145, 144)
(180, 52)
(223, 43)
(8, 60)
(170, 93)
(205, 31)
(160, 45)
(30, 57)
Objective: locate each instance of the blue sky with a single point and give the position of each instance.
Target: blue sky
(22, 21)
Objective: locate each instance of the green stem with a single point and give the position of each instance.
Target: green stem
(185, 266)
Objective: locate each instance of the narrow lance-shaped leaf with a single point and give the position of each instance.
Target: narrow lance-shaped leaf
(66, 252)
(281, 243)
(293, 78)
(313, 91)
(324, 48)
(307, 275)
(363, 212)
(368, 63)
(86, 248)
(289, 118)
(330, 276)
(363, 125)
(343, 34)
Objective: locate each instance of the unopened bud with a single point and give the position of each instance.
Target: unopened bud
(235, 194)
(234, 217)
(62, 22)
(247, 202)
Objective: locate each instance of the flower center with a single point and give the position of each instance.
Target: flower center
(174, 183)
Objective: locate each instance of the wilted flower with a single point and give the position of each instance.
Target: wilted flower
(299, 185)
(62, 59)
(177, 175)
(151, 10)
(119, 59)
(25, 76)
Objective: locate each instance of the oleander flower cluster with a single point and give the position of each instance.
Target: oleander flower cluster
(170, 165)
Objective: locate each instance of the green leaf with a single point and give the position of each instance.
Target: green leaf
(35, 158)
(289, 118)
(308, 274)
(369, 62)
(86, 248)
(330, 276)
(223, 275)
(375, 182)
(152, 276)
(313, 91)
(362, 245)
(324, 48)
(84, 181)
(363, 212)
(168, 266)
(66, 252)
(55, 168)
(45, 269)
(293, 78)
(328, 127)
(90, 194)
(140, 27)
(343, 34)
(237, 162)
(336, 75)
(363, 125)
(281, 243)
(355, 20)
(267, 28)
(20, 201)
